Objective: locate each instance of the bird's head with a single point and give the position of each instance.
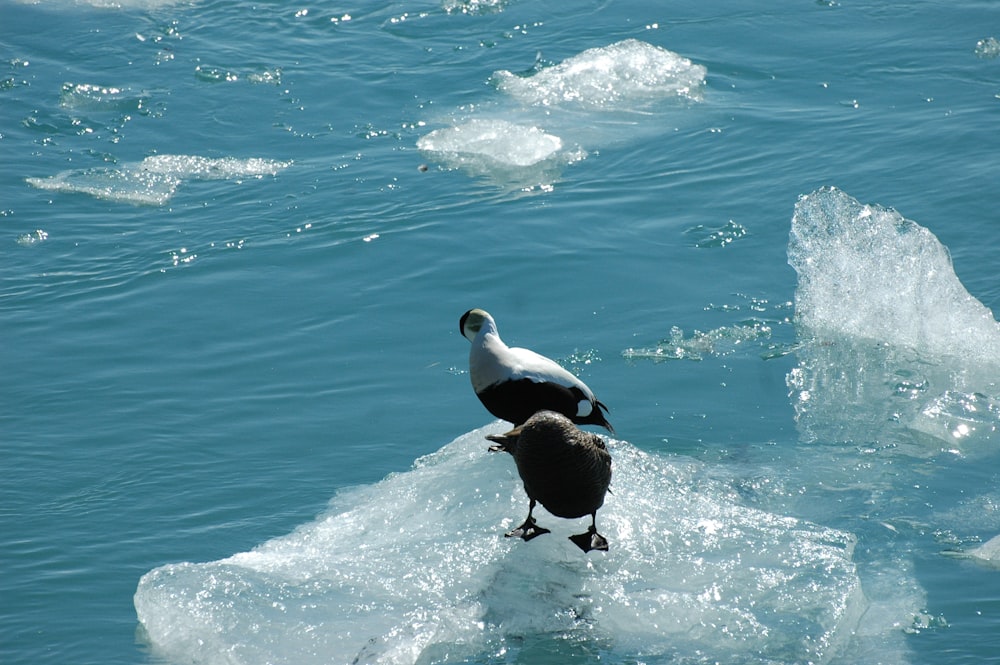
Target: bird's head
(473, 321)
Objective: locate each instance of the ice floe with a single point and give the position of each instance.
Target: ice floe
(624, 74)
(498, 142)
(415, 569)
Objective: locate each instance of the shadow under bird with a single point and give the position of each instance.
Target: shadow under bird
(514, 383)
(564, 468)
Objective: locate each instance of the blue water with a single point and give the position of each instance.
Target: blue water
(236, 240)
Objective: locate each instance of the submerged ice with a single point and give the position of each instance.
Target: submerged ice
(92, 97)
(717, 342)
(124, 185)
(155, 179)
(416, 569)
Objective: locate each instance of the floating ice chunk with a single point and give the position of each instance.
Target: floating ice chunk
(120, 185)
(473, 6)
(512, 155)
(496, 141)
(270, 76)
(717, 342)
(87, 96)
(207, 168)
(987, 554)
(895, 352)
(988, 47)
(720, 237)
(212, 74)
(154, 180)
(616, 76)
(865, 271)
(415, 569)
(33, 238)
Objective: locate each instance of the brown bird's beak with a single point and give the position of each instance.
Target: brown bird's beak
(504, 442)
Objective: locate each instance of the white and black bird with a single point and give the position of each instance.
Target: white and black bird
(514, 384)
(563, 468)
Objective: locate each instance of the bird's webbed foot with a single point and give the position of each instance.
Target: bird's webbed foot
(591, 540)
(527, 531)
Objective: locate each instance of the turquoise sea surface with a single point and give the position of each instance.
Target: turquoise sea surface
(236, 238)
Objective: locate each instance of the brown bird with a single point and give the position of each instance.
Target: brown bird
(564, 468)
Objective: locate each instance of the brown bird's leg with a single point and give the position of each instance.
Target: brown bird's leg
(591, 540)
(529, 529)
